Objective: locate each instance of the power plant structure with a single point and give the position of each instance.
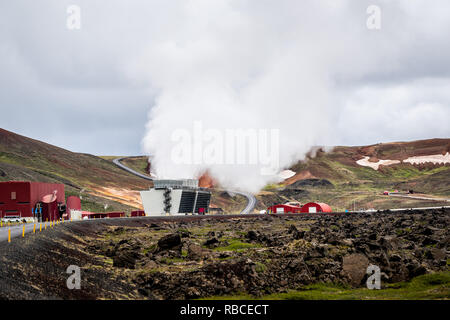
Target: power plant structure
(175, 197)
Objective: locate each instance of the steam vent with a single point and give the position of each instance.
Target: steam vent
(175, 197)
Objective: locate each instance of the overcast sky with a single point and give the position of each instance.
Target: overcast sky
(90, 90)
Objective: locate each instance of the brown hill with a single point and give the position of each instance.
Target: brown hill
(356, 186)
(99, 181)
(340, 166)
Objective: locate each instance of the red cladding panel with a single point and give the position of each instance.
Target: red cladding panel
(285, 208)
(73, 203)
(320, 207)
(115, 214)
(17, 198)
(138, 213)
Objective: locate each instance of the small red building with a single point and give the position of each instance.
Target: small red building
(73, 203)
(93, 215)
(101, 215)
(138, 213)
(115, 214)
(20, 199)
(284, 208)
(314, 207)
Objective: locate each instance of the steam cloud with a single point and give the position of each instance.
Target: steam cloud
(289, 65)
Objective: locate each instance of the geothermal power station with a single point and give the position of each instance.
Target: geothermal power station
(176, 197)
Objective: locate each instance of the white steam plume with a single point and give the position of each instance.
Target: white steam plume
(274, 65)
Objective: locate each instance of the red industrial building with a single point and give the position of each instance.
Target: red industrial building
(310, 207)
(138, 213)
(26, 200)
(73, 203)
(284, 208)
(314, 207)
(92, 215)
(101, 215)
(115, 214)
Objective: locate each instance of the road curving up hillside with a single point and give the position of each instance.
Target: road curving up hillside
(251, 199)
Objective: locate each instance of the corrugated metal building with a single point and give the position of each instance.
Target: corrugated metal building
(138, 213)
(73, 204)
(102, 215)
(19, 199)
(314, 207)
(284, 208)
(115, 214)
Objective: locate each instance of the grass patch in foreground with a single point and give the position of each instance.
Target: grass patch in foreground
(425, 287)
(236, 245)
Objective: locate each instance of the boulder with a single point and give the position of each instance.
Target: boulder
(354, 267)
(296, 234)
(150, 264)
(438, 254)
(170, 242)
(125, 259)
(211, 242)
(194, 252)
(252, 235)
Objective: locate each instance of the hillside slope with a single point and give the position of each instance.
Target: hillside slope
(340, 166)
(337, 178)
(98, 181)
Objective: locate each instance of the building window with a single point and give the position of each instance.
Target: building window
(13, 196)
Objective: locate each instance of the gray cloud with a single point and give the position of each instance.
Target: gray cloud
(91, 90)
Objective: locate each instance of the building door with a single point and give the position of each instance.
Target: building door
(312, 210)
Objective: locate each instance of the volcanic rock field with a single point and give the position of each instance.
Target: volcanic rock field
(193, 257)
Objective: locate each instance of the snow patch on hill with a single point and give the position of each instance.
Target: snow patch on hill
(435, 159)
(375, 165)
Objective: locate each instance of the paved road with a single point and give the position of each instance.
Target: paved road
(251, 200)
(423, 208)
(417, 197)
(124, 167)
(16, 231)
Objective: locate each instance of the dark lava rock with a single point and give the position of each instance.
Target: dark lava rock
(294, 193)
(125, 259)
(311, 183)
(171, 241)
(194, 252)
(154, 226)
(252, 235)
(211, 242)
(395, 258)
(428, 241)
(373, 236)
(184, 234)
(296, 234)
